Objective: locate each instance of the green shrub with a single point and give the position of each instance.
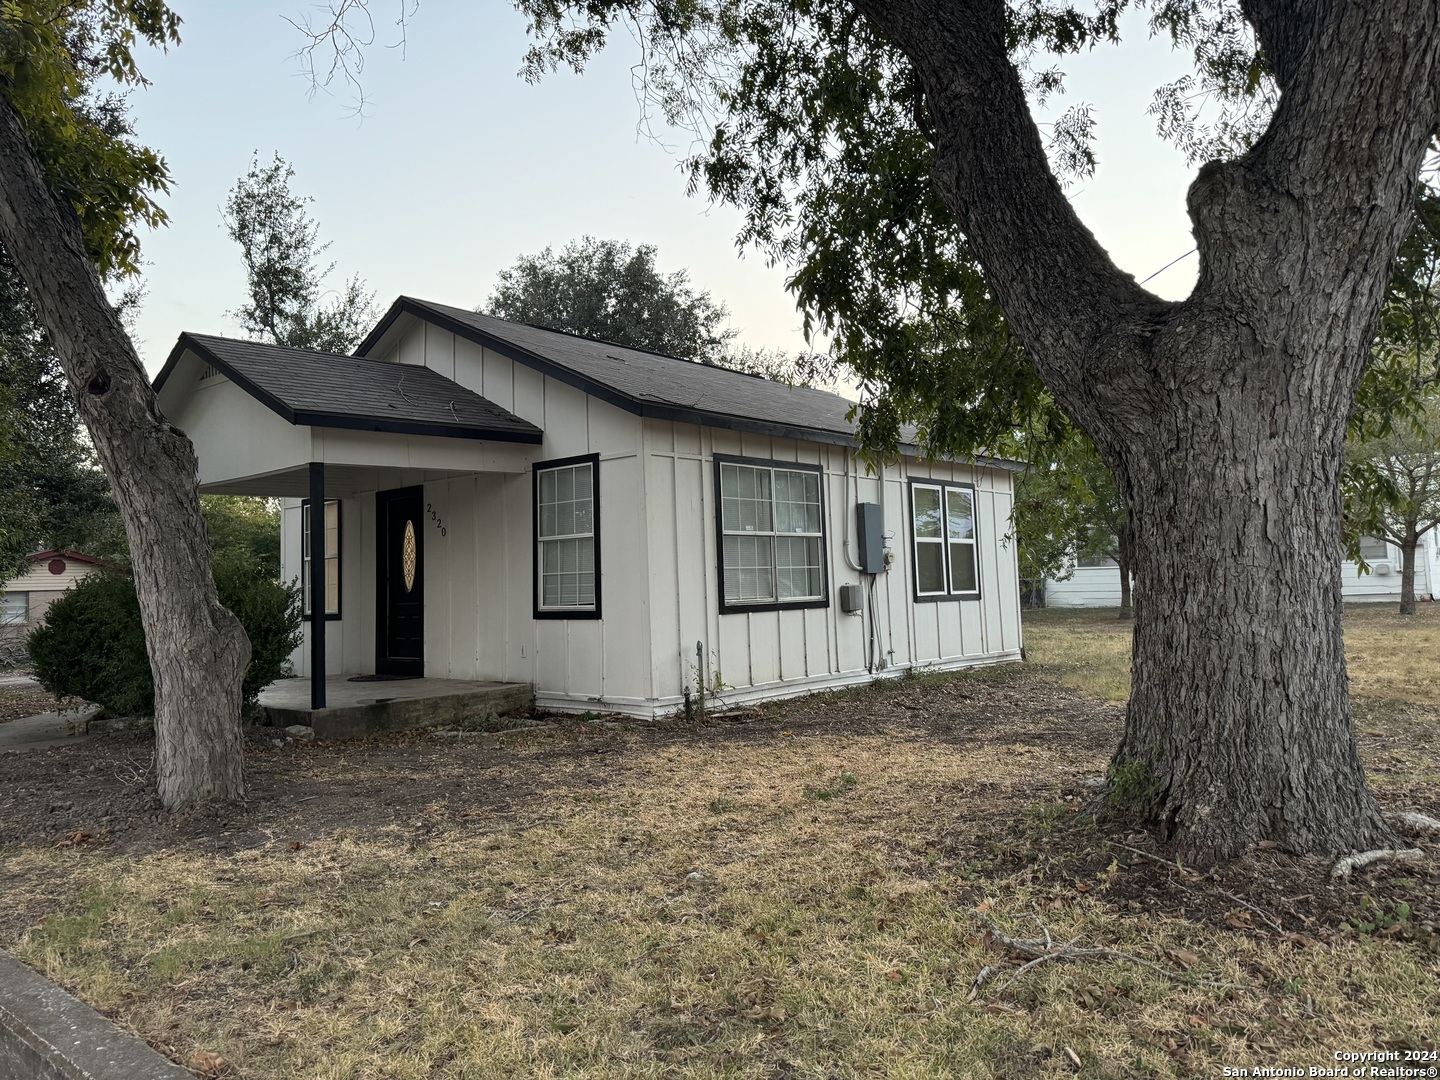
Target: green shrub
(270, 613)
(92, 644)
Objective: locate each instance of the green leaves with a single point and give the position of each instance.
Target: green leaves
(610, 290)
(52, 53)
(815, 127)
(281, 247)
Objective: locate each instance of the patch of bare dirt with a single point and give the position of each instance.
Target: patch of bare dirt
(16, 703)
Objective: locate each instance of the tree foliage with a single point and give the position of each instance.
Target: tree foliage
(610, 290)
(244, 529)
(52, 492)
(52, 54)
(1395, 416)
(280, 245)
(815, 127)
(1067, 508)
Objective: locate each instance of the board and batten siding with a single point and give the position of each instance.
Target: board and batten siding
(757, 654)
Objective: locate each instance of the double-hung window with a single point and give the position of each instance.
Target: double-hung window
(332, 558)
(942, 519)
(14, 608)
(567, 529)
(772, 535)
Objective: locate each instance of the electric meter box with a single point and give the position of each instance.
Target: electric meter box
(869, 529)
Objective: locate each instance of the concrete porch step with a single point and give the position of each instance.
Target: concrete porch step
(354, 710)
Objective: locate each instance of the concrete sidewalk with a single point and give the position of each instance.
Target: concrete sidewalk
(64, 728)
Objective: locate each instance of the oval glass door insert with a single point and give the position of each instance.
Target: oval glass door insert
(407, 556)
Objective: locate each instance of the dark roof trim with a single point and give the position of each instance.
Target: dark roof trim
(406, 305)
(334, 420)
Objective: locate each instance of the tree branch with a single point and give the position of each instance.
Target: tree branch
(1062, 295)
(1284, 29)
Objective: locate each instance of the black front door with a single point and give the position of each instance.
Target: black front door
(400, 588)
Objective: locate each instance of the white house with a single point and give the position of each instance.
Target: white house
(25, 599)
(615, 527)
(1096, 582)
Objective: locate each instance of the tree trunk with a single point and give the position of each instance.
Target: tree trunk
(1239, 710)
(1407, 572)
(1223, 415)
(198, 650)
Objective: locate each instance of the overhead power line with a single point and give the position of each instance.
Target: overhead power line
(1171, 263)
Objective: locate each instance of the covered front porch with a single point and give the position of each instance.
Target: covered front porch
(416, 476)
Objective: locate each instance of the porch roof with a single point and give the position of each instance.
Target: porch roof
(317, 389)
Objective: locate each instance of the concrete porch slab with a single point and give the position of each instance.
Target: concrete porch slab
(356, 709)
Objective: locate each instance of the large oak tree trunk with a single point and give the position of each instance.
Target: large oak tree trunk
(1222, 416)
(1239, 710)
(198, 650)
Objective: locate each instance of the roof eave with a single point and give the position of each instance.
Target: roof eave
(351, 422)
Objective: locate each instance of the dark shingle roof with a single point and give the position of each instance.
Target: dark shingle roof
(646, 383)
(327, 390)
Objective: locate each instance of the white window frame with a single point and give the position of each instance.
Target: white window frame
(590, 463)
(945, 541)
(8, 612)
(332, 596)
(774, 602)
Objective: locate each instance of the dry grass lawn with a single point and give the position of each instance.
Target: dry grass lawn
(1391, 657)
(800, 892)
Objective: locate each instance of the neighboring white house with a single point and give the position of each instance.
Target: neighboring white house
(611, 526)
(1096, 582)
(25, 599)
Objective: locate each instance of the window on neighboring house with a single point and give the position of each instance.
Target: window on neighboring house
(1373, 549)
(567, 549)
(1090, 561)
(772, 535)
(332, 557)
(942, 519)
(14, 609)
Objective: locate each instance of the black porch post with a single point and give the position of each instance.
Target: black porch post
(318, 602)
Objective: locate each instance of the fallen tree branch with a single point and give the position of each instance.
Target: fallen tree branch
(1344, 867)
(1176, 865)
(1037, 951)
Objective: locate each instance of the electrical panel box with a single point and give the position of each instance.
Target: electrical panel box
(852, 599)
(870, 530)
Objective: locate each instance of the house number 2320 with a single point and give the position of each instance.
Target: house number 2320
(436, 518)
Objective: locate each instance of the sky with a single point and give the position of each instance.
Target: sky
(458, 166)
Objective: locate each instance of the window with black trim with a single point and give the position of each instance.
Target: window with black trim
(332, 557)
(942, 520)
(772, 534)
(567, 544)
